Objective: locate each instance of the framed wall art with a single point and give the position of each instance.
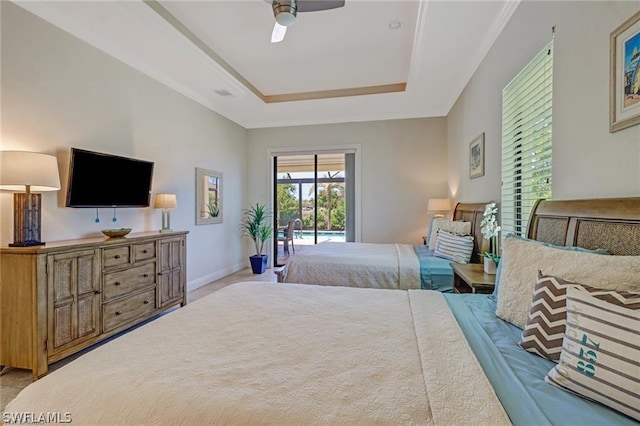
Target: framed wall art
(624, 91)
(208, 196)
(476, 157)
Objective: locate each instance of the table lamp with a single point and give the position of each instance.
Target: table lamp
(166, 202)
(439, 206)
(28, 171)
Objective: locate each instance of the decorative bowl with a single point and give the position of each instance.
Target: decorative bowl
(116, 233)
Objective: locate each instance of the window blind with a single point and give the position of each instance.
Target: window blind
(526, 141)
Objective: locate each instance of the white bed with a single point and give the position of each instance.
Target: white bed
(262, 353)
(267, 353)
(390, 266)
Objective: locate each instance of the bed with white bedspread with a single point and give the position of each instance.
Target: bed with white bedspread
(376, 265)
(264, 353)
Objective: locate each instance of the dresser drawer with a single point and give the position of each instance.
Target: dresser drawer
(120, 312)
(115, 256)
(144, 251)
(119, 283)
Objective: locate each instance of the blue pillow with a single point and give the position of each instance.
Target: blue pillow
(494, 295)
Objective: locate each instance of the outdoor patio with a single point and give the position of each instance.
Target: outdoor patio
(302, 240)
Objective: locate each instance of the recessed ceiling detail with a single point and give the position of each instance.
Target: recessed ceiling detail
(336, 66)
(289, 70)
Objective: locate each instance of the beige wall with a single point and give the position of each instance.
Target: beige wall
(588, 161)
(59, 92)
(402, 167)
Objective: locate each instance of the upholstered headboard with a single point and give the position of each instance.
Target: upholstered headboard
(472, 212)
(609, 223)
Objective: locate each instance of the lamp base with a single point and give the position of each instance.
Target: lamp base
(26, 219)
(166, 221)
(29, 243)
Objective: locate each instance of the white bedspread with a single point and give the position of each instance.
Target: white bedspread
(263, 353)
(393, 266)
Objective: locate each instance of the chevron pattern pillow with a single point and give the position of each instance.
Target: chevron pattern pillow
(544, 330)
(600, 352)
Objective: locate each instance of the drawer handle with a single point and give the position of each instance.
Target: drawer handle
(146, 302)
(144, 251)
(116, 283)
(118, 313)
(145, 275)
(117, 256)
(97, 292)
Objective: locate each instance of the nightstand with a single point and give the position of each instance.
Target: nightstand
(471, 278)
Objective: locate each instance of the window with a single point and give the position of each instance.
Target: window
(526, 141)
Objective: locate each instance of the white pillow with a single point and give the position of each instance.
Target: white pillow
(600, 351)
(454, 246)
(457, 226)
(521, 260)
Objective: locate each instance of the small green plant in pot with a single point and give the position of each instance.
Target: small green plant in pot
(255, 225)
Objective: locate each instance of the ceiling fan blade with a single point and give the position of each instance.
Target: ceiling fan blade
(317, 5)
(278, 33)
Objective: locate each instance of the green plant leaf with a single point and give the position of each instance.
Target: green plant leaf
(255, 225)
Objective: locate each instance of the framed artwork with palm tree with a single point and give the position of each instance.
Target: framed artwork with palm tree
(208, 196)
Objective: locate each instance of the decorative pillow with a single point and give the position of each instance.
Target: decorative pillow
(600, 353)
(454, 247)
(456, 226)
(521, 260)
(496, 288)
(544, 330)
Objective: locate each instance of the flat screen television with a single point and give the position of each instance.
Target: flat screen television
(105, 180)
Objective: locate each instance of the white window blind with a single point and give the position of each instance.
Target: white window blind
(526, 141)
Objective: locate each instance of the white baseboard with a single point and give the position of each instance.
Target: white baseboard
(197, 283)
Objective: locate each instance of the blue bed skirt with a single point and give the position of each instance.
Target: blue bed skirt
(435, 272)
(517, 376)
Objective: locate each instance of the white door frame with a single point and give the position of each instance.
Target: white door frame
(319, 150)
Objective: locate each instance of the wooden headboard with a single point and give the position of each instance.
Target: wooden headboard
(609, 223)
(472, 212)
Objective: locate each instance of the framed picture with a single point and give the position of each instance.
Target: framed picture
(476, 157)
(624, 91)
(208, 196)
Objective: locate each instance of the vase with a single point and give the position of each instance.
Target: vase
(489, 266)
(258, 263)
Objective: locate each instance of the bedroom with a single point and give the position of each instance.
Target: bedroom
(51, 102)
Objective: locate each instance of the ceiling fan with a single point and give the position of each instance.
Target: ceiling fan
(285, 12)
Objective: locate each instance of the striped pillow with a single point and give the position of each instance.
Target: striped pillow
(600, 352)
(453, 246)
(457, 226)
(544, 330)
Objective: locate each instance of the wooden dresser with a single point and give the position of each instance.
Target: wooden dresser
(62, 297)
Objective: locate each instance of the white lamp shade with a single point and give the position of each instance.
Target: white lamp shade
(21, 168)
(439, 205)
(166, 201)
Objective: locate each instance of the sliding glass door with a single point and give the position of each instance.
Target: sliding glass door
(312, 191)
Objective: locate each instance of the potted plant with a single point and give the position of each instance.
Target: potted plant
(490, 229)
(255, 225)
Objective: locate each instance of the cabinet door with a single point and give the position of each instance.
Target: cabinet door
(73, 283)
(170, 261)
